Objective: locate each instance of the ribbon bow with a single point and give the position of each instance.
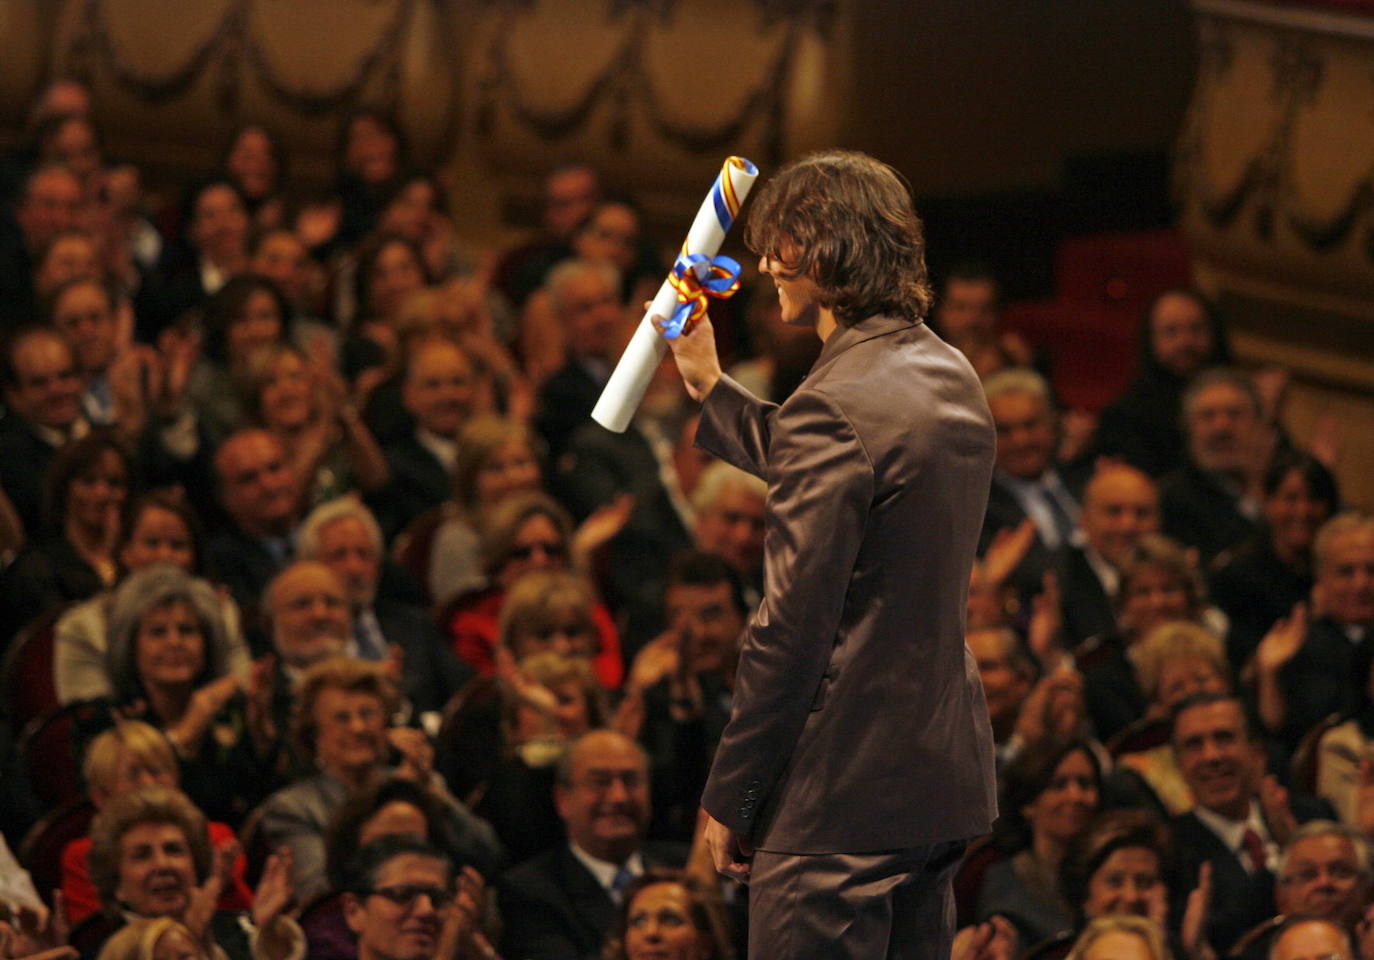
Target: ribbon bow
(695, 277)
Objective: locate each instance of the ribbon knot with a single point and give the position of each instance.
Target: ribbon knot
(696, 277)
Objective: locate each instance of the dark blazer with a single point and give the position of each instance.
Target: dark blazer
(1324, 677)
(244, 565)
(1197, 512)
(24, 462)
(565, 402)
(859, 722)
(1005, 511)
(432, 672)
(418, 483)
(1254, 588)
(597, 466)
(1084, 605)
(554, 909)
(1239, 899)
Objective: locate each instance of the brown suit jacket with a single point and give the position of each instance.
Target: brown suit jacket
(859, 723)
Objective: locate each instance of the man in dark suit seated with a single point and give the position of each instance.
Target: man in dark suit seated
(399, 889)
(1120, 506)
(1325, 872)
(259, 491)
(681, 685)
(586, 301)
(43, 397)
(1316, 665)
(1240, 820)
(1212, 502)
(437, 391)
(49, 203)
(560, 904)
(344, 536)
(1026, 482)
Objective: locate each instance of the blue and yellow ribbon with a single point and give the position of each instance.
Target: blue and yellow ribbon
(696, 277)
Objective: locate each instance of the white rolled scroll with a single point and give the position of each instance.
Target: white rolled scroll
(631, 376)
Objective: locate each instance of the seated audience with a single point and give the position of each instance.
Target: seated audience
(586, 305)
(437, 390)
(521, 534)
(729, 508)
(212, 250)
(1308, 665)
(1181, 334)
(255, 163)
(670, 915)
(1345, 753)
(155, 939)
(260, 494)
(1051, 793)
(342, 707)
(42, 414)
(561, 904)
(1300, 937)
(129, 756)
(967, 316)
(1324, 871)
(1026, 482)
(71, 556)
(1239, 820)
(403, 901)
(166, 661)
(1119, 865)
(680, 687)
(1258, 582)
(150, 857)
(1119, 937)
(1008, 673)
(397, 807)
(1120, 506)
(1158, 583)
(306, 406)
(247, 314)
(157, 528)
(344, 536)
(1172, 662)
(1211, 502)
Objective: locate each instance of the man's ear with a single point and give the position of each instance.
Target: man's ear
(353, 910)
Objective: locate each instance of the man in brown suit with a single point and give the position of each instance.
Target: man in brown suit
(858, 759)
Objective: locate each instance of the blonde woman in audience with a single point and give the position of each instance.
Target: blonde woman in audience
(306, 405)
(120, 760)
(1119, 937)
(1172, 662)
(160, 938)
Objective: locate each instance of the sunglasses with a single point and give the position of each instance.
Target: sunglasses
(406, 895)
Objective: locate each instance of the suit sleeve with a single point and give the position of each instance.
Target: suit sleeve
(820, 488)
(736, 426)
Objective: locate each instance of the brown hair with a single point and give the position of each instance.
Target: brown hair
(338, 673)
(129, 810)
(846, 221)
(708, 913)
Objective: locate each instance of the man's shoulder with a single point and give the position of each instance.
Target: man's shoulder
(546, 871)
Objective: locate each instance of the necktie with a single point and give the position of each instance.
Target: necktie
(619, 882)
(1254, 850)
(1063, 522)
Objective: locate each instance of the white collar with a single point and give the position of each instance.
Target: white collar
(444, 449)
(604, 870)
(1106, 574)
(1232, 832)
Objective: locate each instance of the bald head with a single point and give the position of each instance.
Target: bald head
(603, 794)
(1310, 939)
(1120, 505)
(308, 606)
(256, 483)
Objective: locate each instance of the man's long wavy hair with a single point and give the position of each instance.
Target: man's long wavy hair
(846, 221)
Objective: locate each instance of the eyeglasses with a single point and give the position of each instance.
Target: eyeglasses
(602, 780)
(405, 896)
(525, 551)
(1336, 871)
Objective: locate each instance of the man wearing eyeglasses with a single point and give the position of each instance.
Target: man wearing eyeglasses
(560, 904)
(1324, 871)
(401, 901)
